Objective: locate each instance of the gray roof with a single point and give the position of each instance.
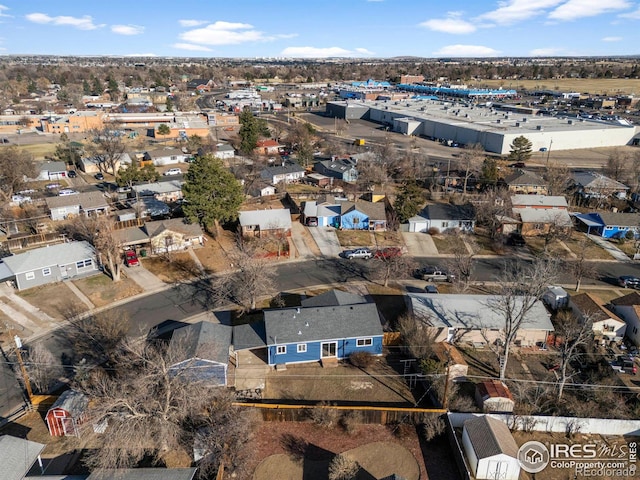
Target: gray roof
(339, 165)
(53, 167)
(291, 325)
(472, 312)
(205, 340)
(596, 181)
(373, 210)
(131, 236)
(538, 201)
(73, 402)
(144, 474)
(159, 187)
(266, 219)
(446, 211)
(174, 225)
(164, 152)
(151, 205)
(555, 216)
(18, 455)
(249, 335)
(270, 172)
(524, 177)
(11, 398)
(620, 219)
(490, 437)
(61, 254)
(86, 200)
(333, 298)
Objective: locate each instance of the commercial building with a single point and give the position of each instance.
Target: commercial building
(464, 122)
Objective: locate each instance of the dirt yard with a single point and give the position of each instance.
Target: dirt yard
(380, 383)
(363, 238)
(54, 299)
(379, 449)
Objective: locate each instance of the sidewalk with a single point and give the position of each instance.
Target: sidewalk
(31, 319)
(611, 249)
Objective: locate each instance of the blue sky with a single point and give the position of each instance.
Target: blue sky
(330, 28)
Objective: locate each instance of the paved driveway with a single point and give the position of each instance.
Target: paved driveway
(420, 244)
(327, 241)
(144, 278)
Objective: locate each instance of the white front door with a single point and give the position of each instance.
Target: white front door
(329, 349)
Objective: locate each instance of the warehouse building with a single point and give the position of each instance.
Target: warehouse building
(464, 122)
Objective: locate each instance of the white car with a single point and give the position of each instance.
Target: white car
(172, 171)
(67, 191)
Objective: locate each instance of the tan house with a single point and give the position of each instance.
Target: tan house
(475, 319)
(267, 147)
(524, 182)
(540, 213)
(173, 235)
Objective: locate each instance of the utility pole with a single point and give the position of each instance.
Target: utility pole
(549, 152)
(25, 376)
(445, 396)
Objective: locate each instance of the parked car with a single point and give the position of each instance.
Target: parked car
(131, 259)
(431, 289)
(434, 274)
(358, 253)
(516, 239)
(72, 174)
(99, 176)
(172, 171)
(624, 364)
(52, 186)
(67, 191)
(311, 222)
(388, 252)
(629, 281)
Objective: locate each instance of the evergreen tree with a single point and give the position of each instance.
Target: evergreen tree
(251, 129)
(489, 172)
(520, 149)
(409, 201)
(211, 193)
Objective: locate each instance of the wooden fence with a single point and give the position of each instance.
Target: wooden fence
(30, 241)
(369, 414)
(391, 339)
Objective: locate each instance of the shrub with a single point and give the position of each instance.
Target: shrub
(323, 416)
(350, 421)
(361, 359)
(434, 231)
(343, 468)
(402, 429)
(296, 447)
(432, 426)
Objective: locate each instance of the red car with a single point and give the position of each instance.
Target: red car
(131, 259)
(388, 252)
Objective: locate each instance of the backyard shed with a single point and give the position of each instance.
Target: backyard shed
(490, 449)
(66, 414)
(494, 396)
(449, 354)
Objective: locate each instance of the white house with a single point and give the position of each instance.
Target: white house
(165, 156)
(52, 171)
(607, 326)
(284, 173)
(442, 217)
(490, 449)
(224, 151)
(628, 308)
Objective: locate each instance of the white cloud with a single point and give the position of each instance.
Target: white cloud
(191, 47)
(612, 39)
(452, 24)
(127, 29)
(513, 11)
(191, 23)
(316, 52)
(466, 51)
(81, 23)
(223, 33)
(574, 9)
(364, 51)
(545, 52)
(635, 15)
(141, 55)
(3, 9)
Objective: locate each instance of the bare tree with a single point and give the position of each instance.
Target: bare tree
(15, 165)
(390, 266)
(471, 160)
(558, 227)
(558, 179)
(491, 208)
(581, 266)
(616, 166)
(417, 335)
(520, 286)
(100, 232)
(43, 368)
(462, 264)
(107, 147)
(573, 333)
(343, 468)
(152, 408)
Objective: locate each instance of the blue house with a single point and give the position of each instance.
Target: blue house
(609, 224)
(204, 349)
(327, 331)
(362, 215)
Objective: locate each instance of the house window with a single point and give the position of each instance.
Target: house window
(84, 263)
(364, 342)
(46, 271)
(30, 275)
(302, 348)
(445, 224)
(635, 330)
(537, 226)
(281, 349)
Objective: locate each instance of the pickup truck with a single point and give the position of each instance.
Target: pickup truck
(624, 365)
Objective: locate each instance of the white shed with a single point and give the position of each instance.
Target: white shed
(490, 449)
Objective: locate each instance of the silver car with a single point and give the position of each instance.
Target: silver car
(358, 253)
